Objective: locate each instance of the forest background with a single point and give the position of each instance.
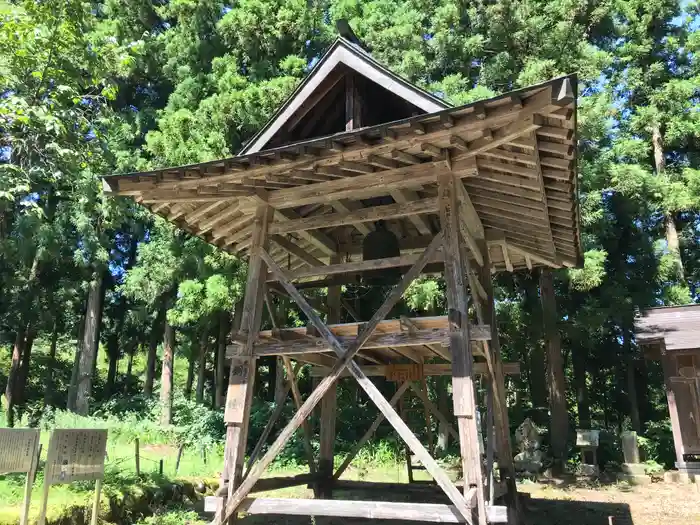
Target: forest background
(100, 301)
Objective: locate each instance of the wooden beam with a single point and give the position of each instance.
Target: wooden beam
(311, 345)
(400, 391)
(298, 401)
(346, 206)
(492, 352)
(360, 266)
(200, 212)
(540, 179)
(296, 250)
(371, 214)
(280, 396)
(462, 359)
(405, 197)
(318, 239)
(429, 369)
(373, 510)
(506, 257)
(239, 395)
(423, 396)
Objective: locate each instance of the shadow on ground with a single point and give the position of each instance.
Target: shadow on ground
(538, 511)
(556, 511)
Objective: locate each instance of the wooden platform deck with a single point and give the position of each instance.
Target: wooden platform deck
(395, 341)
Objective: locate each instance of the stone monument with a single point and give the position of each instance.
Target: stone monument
(529, 459)
(587, 441)
(632, 469)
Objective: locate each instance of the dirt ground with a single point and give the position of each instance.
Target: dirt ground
(657, 503)
(576, 504)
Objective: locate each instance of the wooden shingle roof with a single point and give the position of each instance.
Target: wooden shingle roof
(677, 326)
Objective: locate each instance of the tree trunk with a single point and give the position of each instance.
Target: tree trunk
(166, 377)
(70, 402)
(584, 410)
(10, 389)
(220, 397)
(202, 365)
(89, 347)
(23, 376)
(113, 354)
(156, 333)
(537, 380)
(669, 219)
(194, 354)
(51, 364)
(559, 423)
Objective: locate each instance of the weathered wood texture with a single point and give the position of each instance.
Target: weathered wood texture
(677, 326)
(464, 400)
(429, 369)
(516, 159)
(240, 387)
(345, 359)
(376, 510)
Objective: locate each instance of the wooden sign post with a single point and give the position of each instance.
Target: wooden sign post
(75, 455)
(19, 453)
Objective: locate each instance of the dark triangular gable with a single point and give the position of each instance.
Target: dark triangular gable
(346, 83)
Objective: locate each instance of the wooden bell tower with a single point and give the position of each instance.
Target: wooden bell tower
(467, 191)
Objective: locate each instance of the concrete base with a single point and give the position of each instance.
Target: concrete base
(634, 469)
(675, 476)
(634, 479)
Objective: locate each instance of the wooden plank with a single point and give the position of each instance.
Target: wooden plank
(375, 213)
(406, 196)
(368, 185)
(429, 369)
(360, 266)
(425, 512)
(540, 178)
(297, 251)
(346, 206)
(462, 359)
(345, 358)
(400, 391)
(309, 345)
(318, 239)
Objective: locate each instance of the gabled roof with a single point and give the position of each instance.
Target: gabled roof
(515, 155)
(355, 58)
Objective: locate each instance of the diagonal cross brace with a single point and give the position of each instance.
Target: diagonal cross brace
(345, 360)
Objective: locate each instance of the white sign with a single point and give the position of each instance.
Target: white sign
(587, 438)
(75, 455)
(18, 448)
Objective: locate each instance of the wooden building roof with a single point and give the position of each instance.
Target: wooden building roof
(677, 327)
(515, 154)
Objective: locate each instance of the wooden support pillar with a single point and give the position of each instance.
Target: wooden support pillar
(492, 352)
(456, 271)
(329, 406)
(240, 386)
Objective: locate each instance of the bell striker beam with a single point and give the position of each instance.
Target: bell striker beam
(240, 386)
(464, 400)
